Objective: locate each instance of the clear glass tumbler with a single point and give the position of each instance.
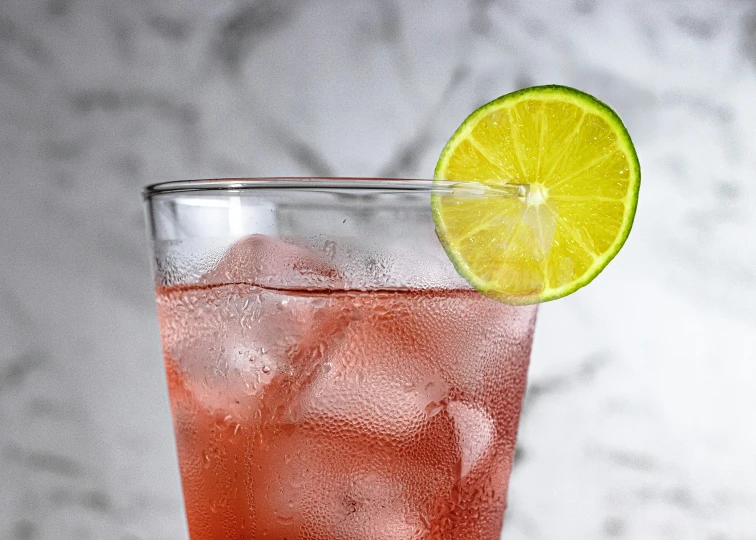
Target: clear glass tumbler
(330, 375)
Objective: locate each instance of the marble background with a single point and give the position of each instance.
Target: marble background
(639, 421)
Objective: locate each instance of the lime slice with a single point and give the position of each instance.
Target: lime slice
(583, 177)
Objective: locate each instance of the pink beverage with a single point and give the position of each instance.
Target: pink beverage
(307, 408)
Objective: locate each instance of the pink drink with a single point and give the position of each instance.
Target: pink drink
(337, 414)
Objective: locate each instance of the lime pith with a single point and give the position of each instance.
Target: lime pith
(583, 174)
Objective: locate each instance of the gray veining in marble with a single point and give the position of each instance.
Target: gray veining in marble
(639, 418)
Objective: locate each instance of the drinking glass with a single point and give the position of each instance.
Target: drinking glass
(330, 374)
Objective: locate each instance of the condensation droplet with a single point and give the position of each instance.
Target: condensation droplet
(330, 248)
(286, 519)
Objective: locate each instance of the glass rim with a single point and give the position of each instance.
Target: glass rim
(315, 183)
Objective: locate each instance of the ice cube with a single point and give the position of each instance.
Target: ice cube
(315, 484)
(218, 344)
(233, 338)
(273, 262)
(232, 341)
(476, 433)
(377, 373)
(372, 403)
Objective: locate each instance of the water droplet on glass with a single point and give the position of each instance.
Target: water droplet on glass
(330, 248)
(286, 520)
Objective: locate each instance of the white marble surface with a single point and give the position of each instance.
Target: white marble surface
(640, 415)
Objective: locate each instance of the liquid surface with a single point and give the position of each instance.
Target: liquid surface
(344, 415)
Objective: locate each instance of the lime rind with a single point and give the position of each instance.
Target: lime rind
(588, 104)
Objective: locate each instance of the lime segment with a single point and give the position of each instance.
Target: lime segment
(583, 176)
